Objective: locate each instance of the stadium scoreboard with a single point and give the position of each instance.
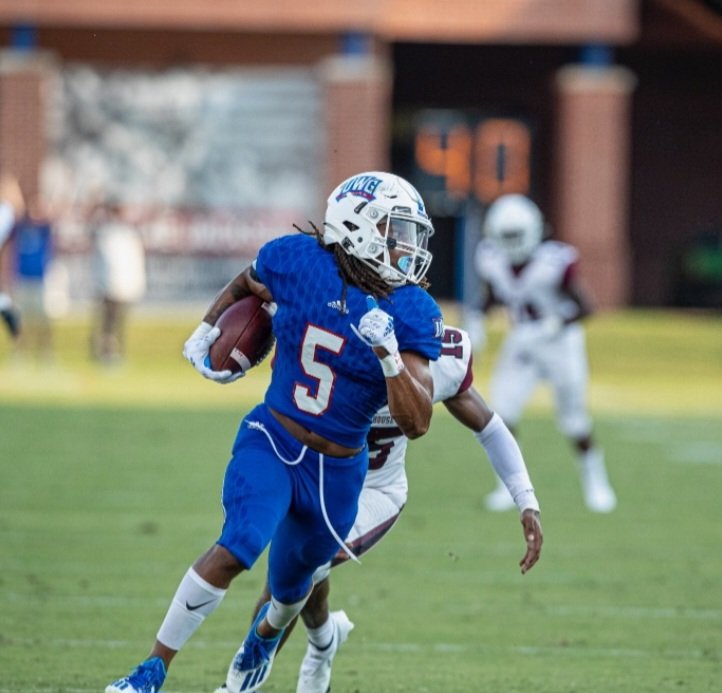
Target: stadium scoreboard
(460, 157)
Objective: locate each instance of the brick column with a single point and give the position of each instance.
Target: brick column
(357, 96)
(23, 115)
(592, 182)
(22, 127)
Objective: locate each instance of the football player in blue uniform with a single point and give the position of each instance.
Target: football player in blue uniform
(385, 494)
(354, 329)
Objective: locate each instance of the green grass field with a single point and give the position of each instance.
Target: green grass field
(110, 485)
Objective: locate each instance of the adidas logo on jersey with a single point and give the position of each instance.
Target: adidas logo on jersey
(337, 305)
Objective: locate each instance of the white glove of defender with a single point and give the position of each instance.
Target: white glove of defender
(196, 351)
(538, 332)
(376, 329)
(550, 327)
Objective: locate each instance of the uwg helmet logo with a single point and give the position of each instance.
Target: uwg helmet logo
(363, 186)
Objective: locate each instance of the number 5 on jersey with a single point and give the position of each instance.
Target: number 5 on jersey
(317, 338)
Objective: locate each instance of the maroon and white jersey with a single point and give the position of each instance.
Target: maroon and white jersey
(385, 489)
(451, 374)
(530, 354)
(535, 290)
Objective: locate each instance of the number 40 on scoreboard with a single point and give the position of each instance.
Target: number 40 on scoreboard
(457, 158)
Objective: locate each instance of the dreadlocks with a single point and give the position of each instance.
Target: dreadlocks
(351, 269)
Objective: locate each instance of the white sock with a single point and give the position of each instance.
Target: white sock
(322, 636)
(593, 457)
(279, 615)
(193, 601)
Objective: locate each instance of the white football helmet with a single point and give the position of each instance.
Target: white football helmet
(516, 225)
(380, 218)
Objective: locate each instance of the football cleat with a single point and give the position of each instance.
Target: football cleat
(252, 663)
(599, 495)
(315, 673)
(147, 677)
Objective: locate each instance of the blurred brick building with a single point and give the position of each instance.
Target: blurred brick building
(605, 111)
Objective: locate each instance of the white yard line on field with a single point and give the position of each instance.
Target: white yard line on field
(637, 612)
(608, 611)
(401, 648)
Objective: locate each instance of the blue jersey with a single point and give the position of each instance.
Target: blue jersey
(324, 376)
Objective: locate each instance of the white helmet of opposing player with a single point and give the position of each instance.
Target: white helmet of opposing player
(516, 225)
(380, 218)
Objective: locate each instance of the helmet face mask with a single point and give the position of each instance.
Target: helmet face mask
(515, 224)
(380, 219)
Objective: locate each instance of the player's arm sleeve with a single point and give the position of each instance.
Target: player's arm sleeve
(506, 458)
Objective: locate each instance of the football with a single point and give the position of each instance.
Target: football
(246, 335)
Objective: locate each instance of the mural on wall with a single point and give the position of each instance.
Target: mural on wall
(211, 164)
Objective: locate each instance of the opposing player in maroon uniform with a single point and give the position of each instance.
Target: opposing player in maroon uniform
(536, 280)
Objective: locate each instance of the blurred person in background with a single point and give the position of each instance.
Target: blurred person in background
(536, 280)
(12, 207)
(33, 243)
(119, 275)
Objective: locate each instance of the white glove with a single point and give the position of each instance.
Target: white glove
(376, 329)
(537, 333)
(550, 327)
(196, 351)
